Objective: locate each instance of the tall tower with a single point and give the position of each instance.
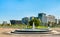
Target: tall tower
(43, 17)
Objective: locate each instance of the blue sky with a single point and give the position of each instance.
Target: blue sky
(17, 9)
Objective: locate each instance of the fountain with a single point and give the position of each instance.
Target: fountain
(33, 30)
(33, 26)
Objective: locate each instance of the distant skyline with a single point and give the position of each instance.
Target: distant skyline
(17, 9)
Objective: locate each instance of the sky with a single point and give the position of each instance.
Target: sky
(17, 9)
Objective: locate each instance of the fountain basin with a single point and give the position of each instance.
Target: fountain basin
(24, 31)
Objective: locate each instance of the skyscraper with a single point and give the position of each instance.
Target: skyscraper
(43, 17)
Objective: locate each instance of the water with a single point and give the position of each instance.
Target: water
(33, 26)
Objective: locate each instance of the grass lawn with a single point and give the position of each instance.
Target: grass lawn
(13, 26)
(41, 27)
(38, 27)
(21, 26)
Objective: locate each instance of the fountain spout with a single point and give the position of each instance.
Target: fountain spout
(33, 26)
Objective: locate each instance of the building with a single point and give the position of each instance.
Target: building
(42, 17)
(25, 20)
(50, 18)
(15, 21)
(4, 23)
(58, 21)
(33, 17)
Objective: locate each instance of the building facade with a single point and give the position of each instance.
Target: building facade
(58, 21)
(50, 18)
(15, 21)
(33, 17)
(25, 20)
(42, 17)
(4, 23)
